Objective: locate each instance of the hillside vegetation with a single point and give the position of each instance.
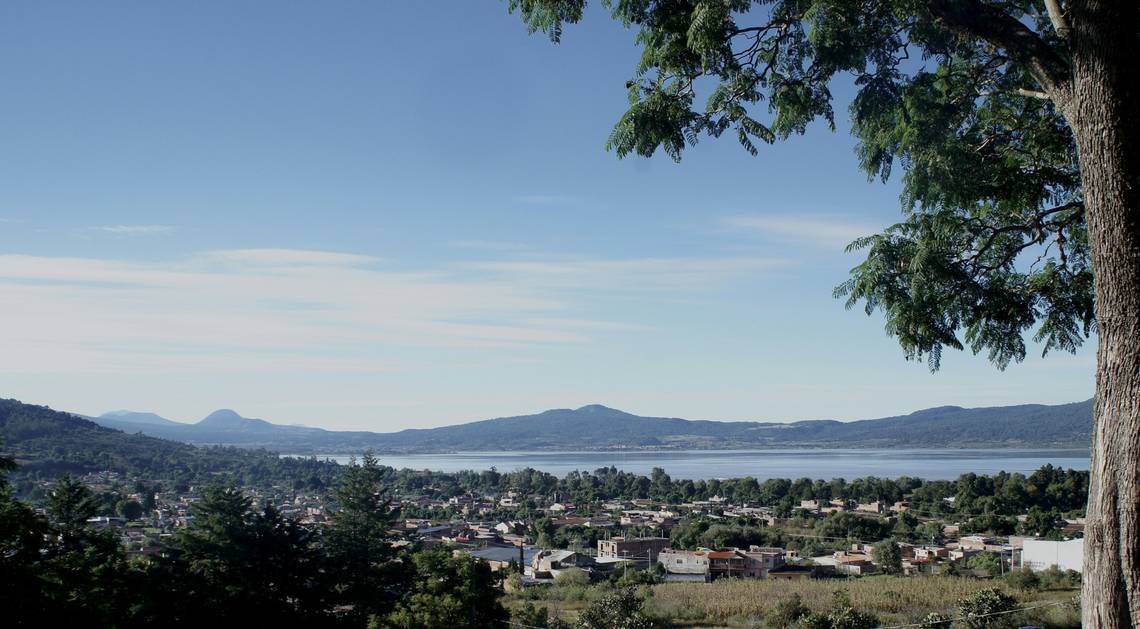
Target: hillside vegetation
(47, 442)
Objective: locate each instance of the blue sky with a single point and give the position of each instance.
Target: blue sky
(385, 215)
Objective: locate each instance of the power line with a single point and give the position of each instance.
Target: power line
(972, 616)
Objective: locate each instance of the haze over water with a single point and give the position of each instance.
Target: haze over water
(931, 464)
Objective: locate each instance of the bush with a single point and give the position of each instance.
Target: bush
(1024, 579)
(620, 610)
(1055, 578)
(531, 616)
(572, 577)
(985, 561)
(787, 612)
(988, 609)
(635, 578)
(841, 616)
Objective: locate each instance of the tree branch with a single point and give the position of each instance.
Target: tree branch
(990, 24)
(1057, 17)
(1032, 93)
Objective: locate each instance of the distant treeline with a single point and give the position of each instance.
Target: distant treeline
(1049, 488)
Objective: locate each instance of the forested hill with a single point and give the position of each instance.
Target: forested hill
(600, 427)
(1068, 425)
(51, 442)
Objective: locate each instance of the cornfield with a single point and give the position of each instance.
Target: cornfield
(746, 603)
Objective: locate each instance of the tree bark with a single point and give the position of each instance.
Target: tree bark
(1102, 107)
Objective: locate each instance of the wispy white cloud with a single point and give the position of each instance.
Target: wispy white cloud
(290, 257)
(816, 230)
(659, 274)
(136, 230)
(281, 309)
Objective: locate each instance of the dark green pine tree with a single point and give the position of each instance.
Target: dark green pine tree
(1014, 125)
(234, 563)
(358, 543)
(83, 571)
(23, 536)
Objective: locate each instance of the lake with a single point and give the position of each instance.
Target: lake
(931, 464)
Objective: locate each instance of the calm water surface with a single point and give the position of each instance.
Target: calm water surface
(933, 464)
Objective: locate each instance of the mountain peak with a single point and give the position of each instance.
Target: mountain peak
(596, 408)
(132, 417)
(222, 416)
(937, 410)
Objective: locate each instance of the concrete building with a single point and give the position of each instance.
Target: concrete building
(762, 560)
(548, 563)
(1040, 554)
(846, 562)
(640, 549)
(754, 563)
(687, 564)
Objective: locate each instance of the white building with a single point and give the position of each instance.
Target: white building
(1040, 554)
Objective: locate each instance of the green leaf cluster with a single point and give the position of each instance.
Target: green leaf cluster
(993, 244)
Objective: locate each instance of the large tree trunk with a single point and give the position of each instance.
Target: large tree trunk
(1103, 110)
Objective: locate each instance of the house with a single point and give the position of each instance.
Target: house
(641, 549)
(501, 557)
(959, 554)
(754, 563)
(810, 505)
(853, 563)
(871, 507)
(975, 542)
(511, 527)
(684, 563)
(906, 550)
(930, 553)
(548, 563)
(846, 562)
(762, 560)
(726, 563)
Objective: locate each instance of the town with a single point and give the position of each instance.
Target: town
(543, 538)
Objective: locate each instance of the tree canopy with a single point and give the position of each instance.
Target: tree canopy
(993, 240)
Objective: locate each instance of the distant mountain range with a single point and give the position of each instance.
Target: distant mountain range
(596, 427)
(48, 442)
